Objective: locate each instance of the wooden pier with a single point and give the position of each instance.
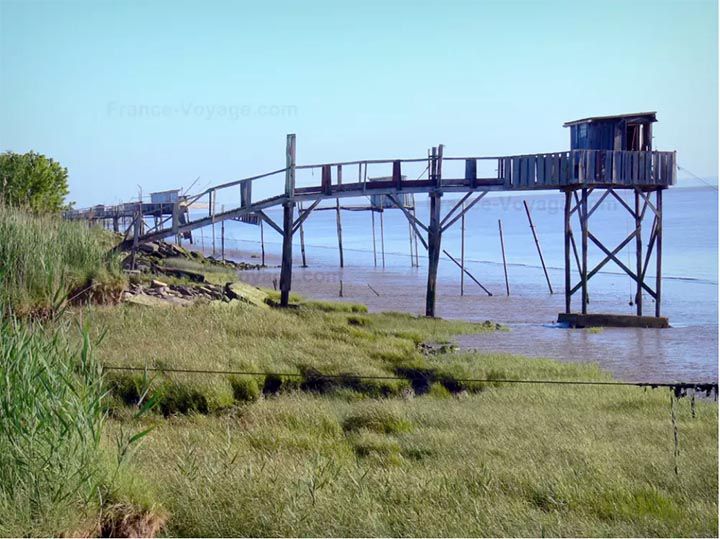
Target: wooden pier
(608, 155)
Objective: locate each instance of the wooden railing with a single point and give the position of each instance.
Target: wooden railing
(588, 167)
(505, 173)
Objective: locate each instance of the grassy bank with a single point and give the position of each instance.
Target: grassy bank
(313, 340)
(491, 459)
(44, 261)
(57, 474)
(508, 461)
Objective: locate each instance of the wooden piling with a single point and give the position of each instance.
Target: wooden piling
(212, 219)
(136, 236)
(176, 222)
(286, 264)
(338, 221)
(568, 283)
(502, 248)
(382, 235)
(638, 255)
(452, 258)
(410, 239)
(584, 243)
(372, 218)
(415, 236)
(302, 237)
(222, 236)
(462, 251)
(434, 232)
(288, 210)
(658, 251)
(262, 244)
(537, 244)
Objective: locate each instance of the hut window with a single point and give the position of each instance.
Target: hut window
(582, 131)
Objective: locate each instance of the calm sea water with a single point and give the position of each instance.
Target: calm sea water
(687, 351)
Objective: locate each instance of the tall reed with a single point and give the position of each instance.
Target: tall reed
(51, 419)
(43, 259)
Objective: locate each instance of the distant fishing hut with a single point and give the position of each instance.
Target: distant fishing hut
(628, 132)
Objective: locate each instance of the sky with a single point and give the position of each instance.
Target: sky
(157, 94)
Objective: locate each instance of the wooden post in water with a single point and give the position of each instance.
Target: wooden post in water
(372, 217)
(568, 283)
(176, 222)
(222, 235)
(462, 251)
(302, 236)
(452, 258)
(658, 251)
(502, 248)
(382, 234)
(338, 221)
(262, 244)
(410, 238)
(537, 244)
(136, 236)
(212, 219)
(288, 210)
(584, 268)
(434, 231)
(638, 254)
(415, 236)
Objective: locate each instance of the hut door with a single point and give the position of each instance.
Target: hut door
(633, 137)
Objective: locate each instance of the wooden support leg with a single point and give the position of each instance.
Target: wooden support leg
(382, 238)
(222, 237)
(176, 223)
(584, 270)
(136, 236)
(339, 232)
(415, 238)
(502, 249)
(286, 267)
(568, 295)
(338, 220)
(302, 239)
(410, 239)
(462, 251)
(372, 217)
(638, 255)
(262, 244)
(434, 237)
(537, 244)
(658, 252)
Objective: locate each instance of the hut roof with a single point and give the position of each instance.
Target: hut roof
(641, 116)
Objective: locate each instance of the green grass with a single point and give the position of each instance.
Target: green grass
(213, 274)
(296, 300)
(56, 475)
(322, 457)
(44, 259)
(510, 461)
(306, 342)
